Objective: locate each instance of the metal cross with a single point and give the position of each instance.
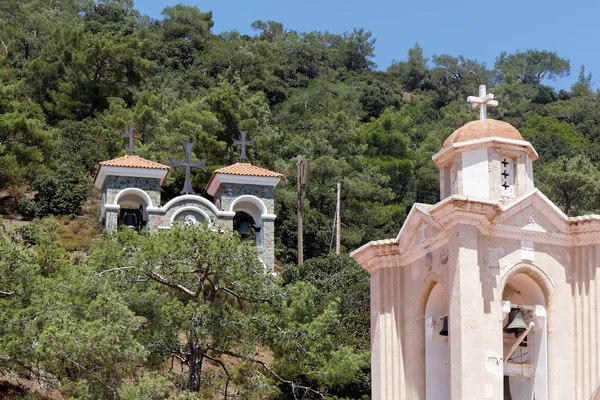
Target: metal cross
(187, 187)
(131, 134)
(482, 102)
(244, 143)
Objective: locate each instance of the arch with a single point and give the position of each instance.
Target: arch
(420, 367)
(437, 356)
(193, 197)
(543, 281)
(191, 208)
(135, 191)
(533, 287)
(257, 213)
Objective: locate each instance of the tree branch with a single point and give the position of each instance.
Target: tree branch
(156, 277)
(6, 293)
(226, 372)
(90, 374)
(114, 269)
(294, 386)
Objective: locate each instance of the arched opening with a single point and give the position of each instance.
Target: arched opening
(245, 225)
(526, 364)
(248, 218)
(133, 208)
(437, 369)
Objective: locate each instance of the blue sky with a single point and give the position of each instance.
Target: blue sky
(475, 29)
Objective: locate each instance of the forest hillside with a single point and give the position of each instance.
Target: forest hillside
(82, 315)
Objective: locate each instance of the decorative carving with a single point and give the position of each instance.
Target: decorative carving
(423, 233)
(429, 260)
(444, 256)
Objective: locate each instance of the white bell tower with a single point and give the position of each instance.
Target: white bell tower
(485, 159)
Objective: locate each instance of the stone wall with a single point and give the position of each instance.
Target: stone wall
(267, 251)
(114, 184)
(231, 191)
(111, 219)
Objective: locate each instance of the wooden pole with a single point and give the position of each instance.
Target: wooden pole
(338, 235)
(299, 206)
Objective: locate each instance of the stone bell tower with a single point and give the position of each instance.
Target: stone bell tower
(130, 190)
(247, 192)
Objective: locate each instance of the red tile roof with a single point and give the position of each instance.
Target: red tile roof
(247, 170)
(131, 161)
(244, 169)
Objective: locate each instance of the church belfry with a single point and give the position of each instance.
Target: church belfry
(248, 193)
(491, 293)
(130, 191)
(244, 196)
(486, 159)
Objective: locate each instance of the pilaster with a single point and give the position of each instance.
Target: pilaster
(466, 318)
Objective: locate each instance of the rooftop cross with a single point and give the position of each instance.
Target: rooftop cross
(131, 134)
(244, 143)
(187, 187)
(482, 102)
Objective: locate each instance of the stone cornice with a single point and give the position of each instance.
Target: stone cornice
(487, 216)
(446, 153)
(375, 253)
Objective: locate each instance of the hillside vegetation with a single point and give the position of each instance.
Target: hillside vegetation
(74, 73)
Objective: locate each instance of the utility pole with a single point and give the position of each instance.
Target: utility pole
(303, 166)
(338, 235)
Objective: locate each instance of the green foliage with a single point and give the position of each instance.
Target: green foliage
(573, 183)
(54, 196)
(412, 71)
(532, 66)
(74, 74)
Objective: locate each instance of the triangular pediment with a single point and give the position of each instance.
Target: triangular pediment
(534, 212)
(417, 228)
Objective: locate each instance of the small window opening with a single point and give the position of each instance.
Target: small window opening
(507, 176)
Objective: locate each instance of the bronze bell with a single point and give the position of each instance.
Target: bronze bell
(507, 395)
(515, 324)
(244, 228)
(130, 221)
(444, 331)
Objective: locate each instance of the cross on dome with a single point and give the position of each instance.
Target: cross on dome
(482, 102)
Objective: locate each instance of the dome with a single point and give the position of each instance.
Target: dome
(483, 129)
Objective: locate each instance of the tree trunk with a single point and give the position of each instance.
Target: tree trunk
(195, 363)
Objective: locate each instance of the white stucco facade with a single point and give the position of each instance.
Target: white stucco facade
(473, 256)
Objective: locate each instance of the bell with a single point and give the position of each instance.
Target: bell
(244, 228)
(507, 395)
(515, 323)
(444, 331)
(130, 221)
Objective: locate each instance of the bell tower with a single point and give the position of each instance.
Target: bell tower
(485, 159)
(247, 192)
(130, 191)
